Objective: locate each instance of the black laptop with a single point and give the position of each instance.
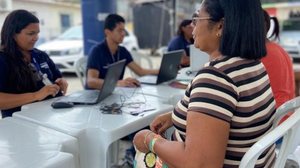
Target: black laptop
(95, 96)
(168, 69)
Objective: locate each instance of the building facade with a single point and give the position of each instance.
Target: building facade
(55, 17)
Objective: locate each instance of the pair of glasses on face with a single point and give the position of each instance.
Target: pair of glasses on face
(195, 19)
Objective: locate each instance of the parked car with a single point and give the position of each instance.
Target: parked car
(290, 37)
(68, 47)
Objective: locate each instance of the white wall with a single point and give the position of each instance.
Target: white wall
(49, 15)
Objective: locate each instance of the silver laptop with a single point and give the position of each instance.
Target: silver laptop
(168, 69)
(198, 59)
(95, 96)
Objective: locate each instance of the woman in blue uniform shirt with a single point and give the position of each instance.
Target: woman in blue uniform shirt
(26, 74)
(183, 40)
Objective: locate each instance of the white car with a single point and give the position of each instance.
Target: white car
(68, 47)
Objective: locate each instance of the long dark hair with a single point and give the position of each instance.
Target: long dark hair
(243, 32)
(275, 33)
(181, 25)
(20, 77)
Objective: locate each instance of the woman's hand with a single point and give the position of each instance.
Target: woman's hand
(129, 82)
(161, 123)
(63, 84)
(46, 91)
(139, 139)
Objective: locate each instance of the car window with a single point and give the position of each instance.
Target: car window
(291, 25)
(72, 33)
(76, 33)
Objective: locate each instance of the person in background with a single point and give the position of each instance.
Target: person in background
(229, 104)
(183, 40)
(110, 51)
(26, 73)
(278, 65)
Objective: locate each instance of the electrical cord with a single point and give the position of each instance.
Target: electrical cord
(116, 108)
(111, 109)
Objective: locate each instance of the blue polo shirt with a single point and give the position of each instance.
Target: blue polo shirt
(179, 42)
(100, 57)
(40, 62)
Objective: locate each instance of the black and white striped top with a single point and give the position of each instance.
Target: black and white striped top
(236, 91)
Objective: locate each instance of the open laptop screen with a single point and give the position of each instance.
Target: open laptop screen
(111, 79)
(168, 69)
(95, 96)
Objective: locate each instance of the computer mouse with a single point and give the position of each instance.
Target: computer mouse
(137, 84)
(60, 104)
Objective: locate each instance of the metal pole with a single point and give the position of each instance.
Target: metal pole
(174, 17)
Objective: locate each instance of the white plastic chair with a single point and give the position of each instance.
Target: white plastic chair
(80, 68)
(142, 60)
(287, 130)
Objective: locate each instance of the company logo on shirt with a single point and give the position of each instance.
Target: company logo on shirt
(44, 65)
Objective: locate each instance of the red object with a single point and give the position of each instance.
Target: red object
(271, 11)
(281, 74)
(280, 70)
(285, 117)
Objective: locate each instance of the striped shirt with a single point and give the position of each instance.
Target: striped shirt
(236, 91)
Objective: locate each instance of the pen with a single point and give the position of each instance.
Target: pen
(140, 112)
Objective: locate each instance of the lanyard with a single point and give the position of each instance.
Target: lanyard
(113, 57)
(37, 65)
(45, 78)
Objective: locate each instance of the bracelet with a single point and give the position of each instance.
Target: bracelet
(152, 143)
(145, 139)
(164, 166)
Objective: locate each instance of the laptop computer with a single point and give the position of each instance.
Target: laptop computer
(95, 96)
(168, 69)
(197, 59)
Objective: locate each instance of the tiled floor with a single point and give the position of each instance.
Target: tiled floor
(123, 146)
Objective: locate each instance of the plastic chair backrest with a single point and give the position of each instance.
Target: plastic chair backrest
(288, 106)
(287, 130)
(80, 68)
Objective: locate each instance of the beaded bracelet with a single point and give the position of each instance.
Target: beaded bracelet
(164, 166)
(152, 142)
(145, 139)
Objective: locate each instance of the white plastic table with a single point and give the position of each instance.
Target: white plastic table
(185, 74)
(164, 92)
(24, 144)
(94, 130)
(36, 157)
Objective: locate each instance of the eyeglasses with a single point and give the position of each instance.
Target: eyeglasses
(194, 19)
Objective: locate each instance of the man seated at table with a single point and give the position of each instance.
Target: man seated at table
(108, 52)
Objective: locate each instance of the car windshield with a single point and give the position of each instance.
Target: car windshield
(73, 33)
(291, 25)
